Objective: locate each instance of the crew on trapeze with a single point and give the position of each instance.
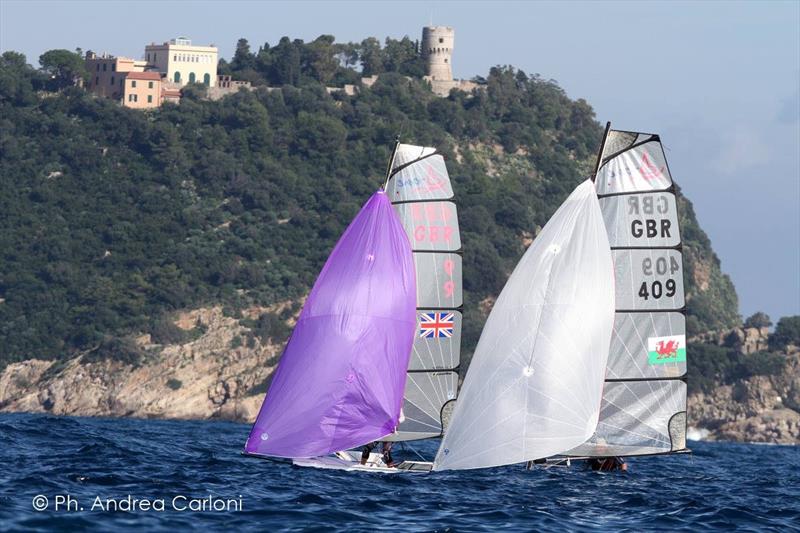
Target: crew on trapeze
(607, 464)
(386, 450)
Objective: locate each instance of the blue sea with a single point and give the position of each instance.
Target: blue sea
(117, 474)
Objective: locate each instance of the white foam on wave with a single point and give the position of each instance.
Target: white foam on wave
(693, 433)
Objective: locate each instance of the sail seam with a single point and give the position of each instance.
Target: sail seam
(406, 165)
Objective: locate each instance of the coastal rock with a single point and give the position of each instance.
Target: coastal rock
(203, 378)
(758, 409)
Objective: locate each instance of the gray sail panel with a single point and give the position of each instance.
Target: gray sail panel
(437, 345)
(639, 169)
(641, 220)
(638, 418)
(647, 346)
(431, 226)
(425, 179)
(426, 395)
(617, 141)
(648, 279)
(438, 279)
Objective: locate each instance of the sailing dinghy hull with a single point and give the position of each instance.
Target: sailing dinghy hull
(351, 462)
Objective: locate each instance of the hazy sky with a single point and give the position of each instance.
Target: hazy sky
(720, 81)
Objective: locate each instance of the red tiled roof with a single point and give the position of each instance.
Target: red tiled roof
(143, 75)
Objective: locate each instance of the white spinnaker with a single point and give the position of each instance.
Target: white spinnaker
(644, 398)
(533, 387)
(420, 189)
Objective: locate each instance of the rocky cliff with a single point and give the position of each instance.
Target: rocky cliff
(212, 376)
(760, 408)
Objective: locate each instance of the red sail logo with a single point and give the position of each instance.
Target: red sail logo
(433, 181)
(648, 170)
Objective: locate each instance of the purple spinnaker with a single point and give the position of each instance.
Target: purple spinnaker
(340, 381)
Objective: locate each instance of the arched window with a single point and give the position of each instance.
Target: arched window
(177, 77)
(207, 79)
(191, 77)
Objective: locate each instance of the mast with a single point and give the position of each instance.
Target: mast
(600, 153)
(391, 161)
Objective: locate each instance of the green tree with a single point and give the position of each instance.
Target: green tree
(758, 320)
(64, 67)
(787, 331)
(321, 58)
(371, 56)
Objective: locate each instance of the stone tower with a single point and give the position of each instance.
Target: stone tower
(437, 49)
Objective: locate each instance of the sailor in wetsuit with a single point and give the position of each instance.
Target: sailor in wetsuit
(387, 453)
(608, 464)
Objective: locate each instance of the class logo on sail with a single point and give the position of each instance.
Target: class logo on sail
(648, 170)
(670, 349)
(436, 325)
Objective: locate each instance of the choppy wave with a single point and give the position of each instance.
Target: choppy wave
(720, 486)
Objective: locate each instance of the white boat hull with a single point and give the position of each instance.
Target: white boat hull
(351, 462)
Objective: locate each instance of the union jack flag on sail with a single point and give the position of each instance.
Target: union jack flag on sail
(436, 325)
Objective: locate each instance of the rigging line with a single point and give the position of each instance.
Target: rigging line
(427, 398)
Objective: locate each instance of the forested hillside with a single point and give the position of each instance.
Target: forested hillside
(114, 218)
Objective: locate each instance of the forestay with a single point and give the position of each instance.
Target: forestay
(420, 189)
(533, 387)
(644, 399)
(340, 381)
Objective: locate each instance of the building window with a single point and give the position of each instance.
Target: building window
(97, 80)
(113, 67)
(104, 67)
(149, 98)
(148, 58)
(133, 83)
(177, 77)
(149, 84)
(445, 60)
(191, 77)
(112, 80)
(98, 67)
(133, 98)
(441, 39)
(206, 79)
(175, 57)
(154, 57)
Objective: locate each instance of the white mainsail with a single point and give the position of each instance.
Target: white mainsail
(644, 398)
(533, 387)
(420, 189)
